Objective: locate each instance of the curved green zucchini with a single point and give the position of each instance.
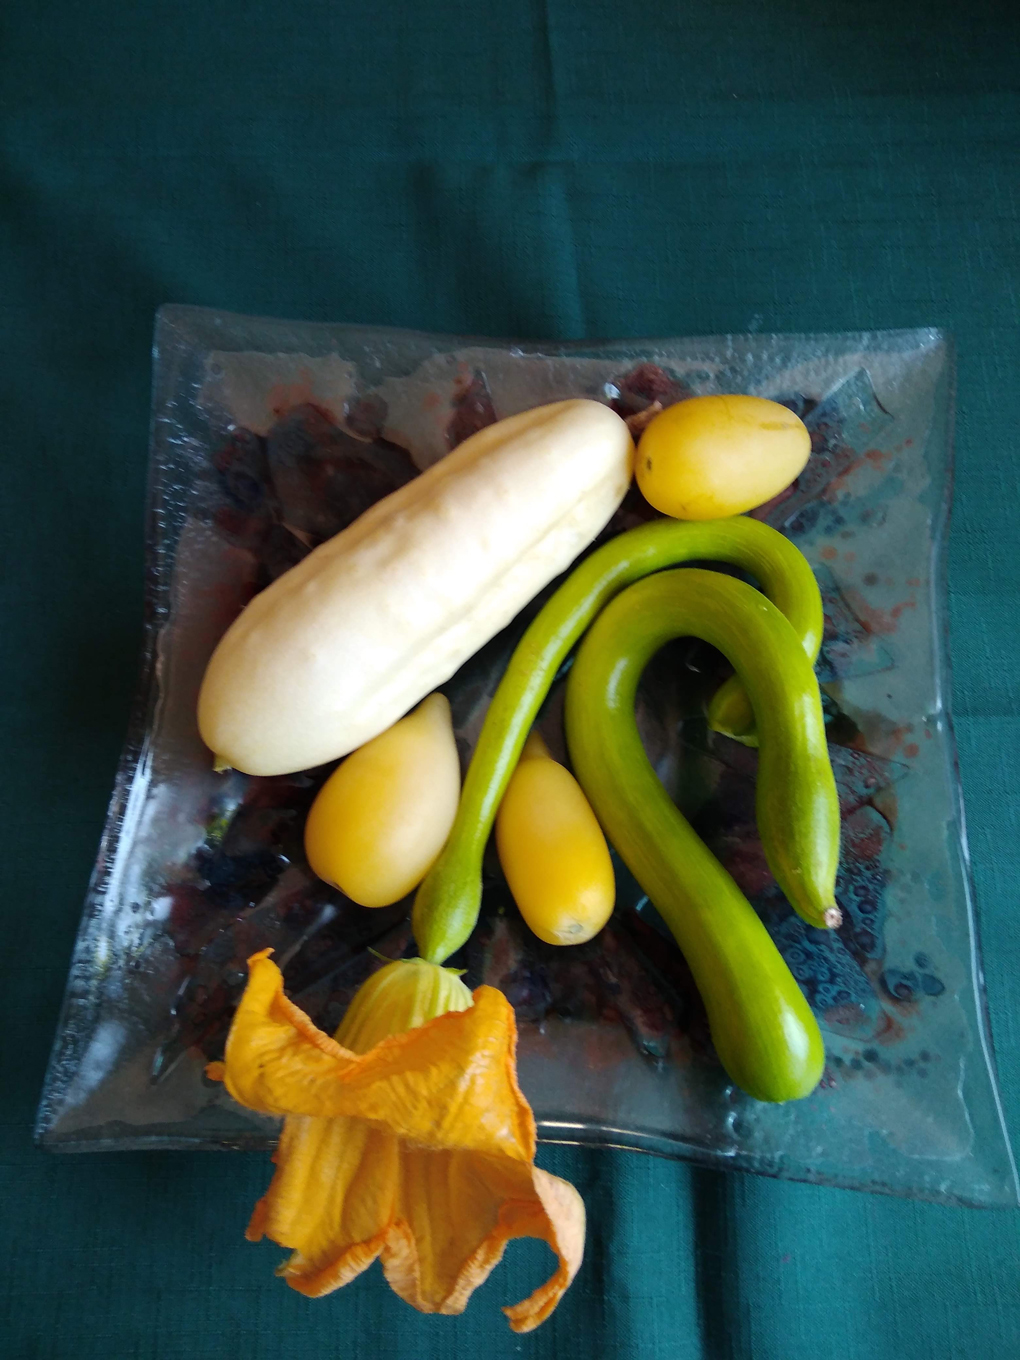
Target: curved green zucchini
(447, 904)
(729, 711)
(763, 1030)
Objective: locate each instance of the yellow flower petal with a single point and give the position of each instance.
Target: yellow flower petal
(420, 1151)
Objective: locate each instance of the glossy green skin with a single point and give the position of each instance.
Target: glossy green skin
(730, 711)
(762, 1028)
(448, 901)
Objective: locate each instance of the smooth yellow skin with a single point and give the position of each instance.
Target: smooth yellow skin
(552, 850)
(383, 815)
(710, 457)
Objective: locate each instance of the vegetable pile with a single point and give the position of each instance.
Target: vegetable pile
(341, 656)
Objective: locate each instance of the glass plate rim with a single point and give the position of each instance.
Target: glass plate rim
(184, 323)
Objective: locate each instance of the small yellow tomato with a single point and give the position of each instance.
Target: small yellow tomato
(382, 817)
(709, 457)
(552, 850)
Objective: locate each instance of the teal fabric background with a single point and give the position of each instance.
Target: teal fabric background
(540, 168)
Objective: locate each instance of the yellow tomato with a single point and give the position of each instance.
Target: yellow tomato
(383, 815)
(553, 852)
(709, 457)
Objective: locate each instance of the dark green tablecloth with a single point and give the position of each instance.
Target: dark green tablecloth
(544, 168)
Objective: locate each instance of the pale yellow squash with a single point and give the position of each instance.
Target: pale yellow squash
(343, 644)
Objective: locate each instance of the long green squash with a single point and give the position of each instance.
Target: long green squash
(762, 1027)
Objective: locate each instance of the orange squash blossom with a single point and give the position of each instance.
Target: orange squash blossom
(419, 1151)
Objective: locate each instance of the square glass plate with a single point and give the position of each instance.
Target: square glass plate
(267, 437)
